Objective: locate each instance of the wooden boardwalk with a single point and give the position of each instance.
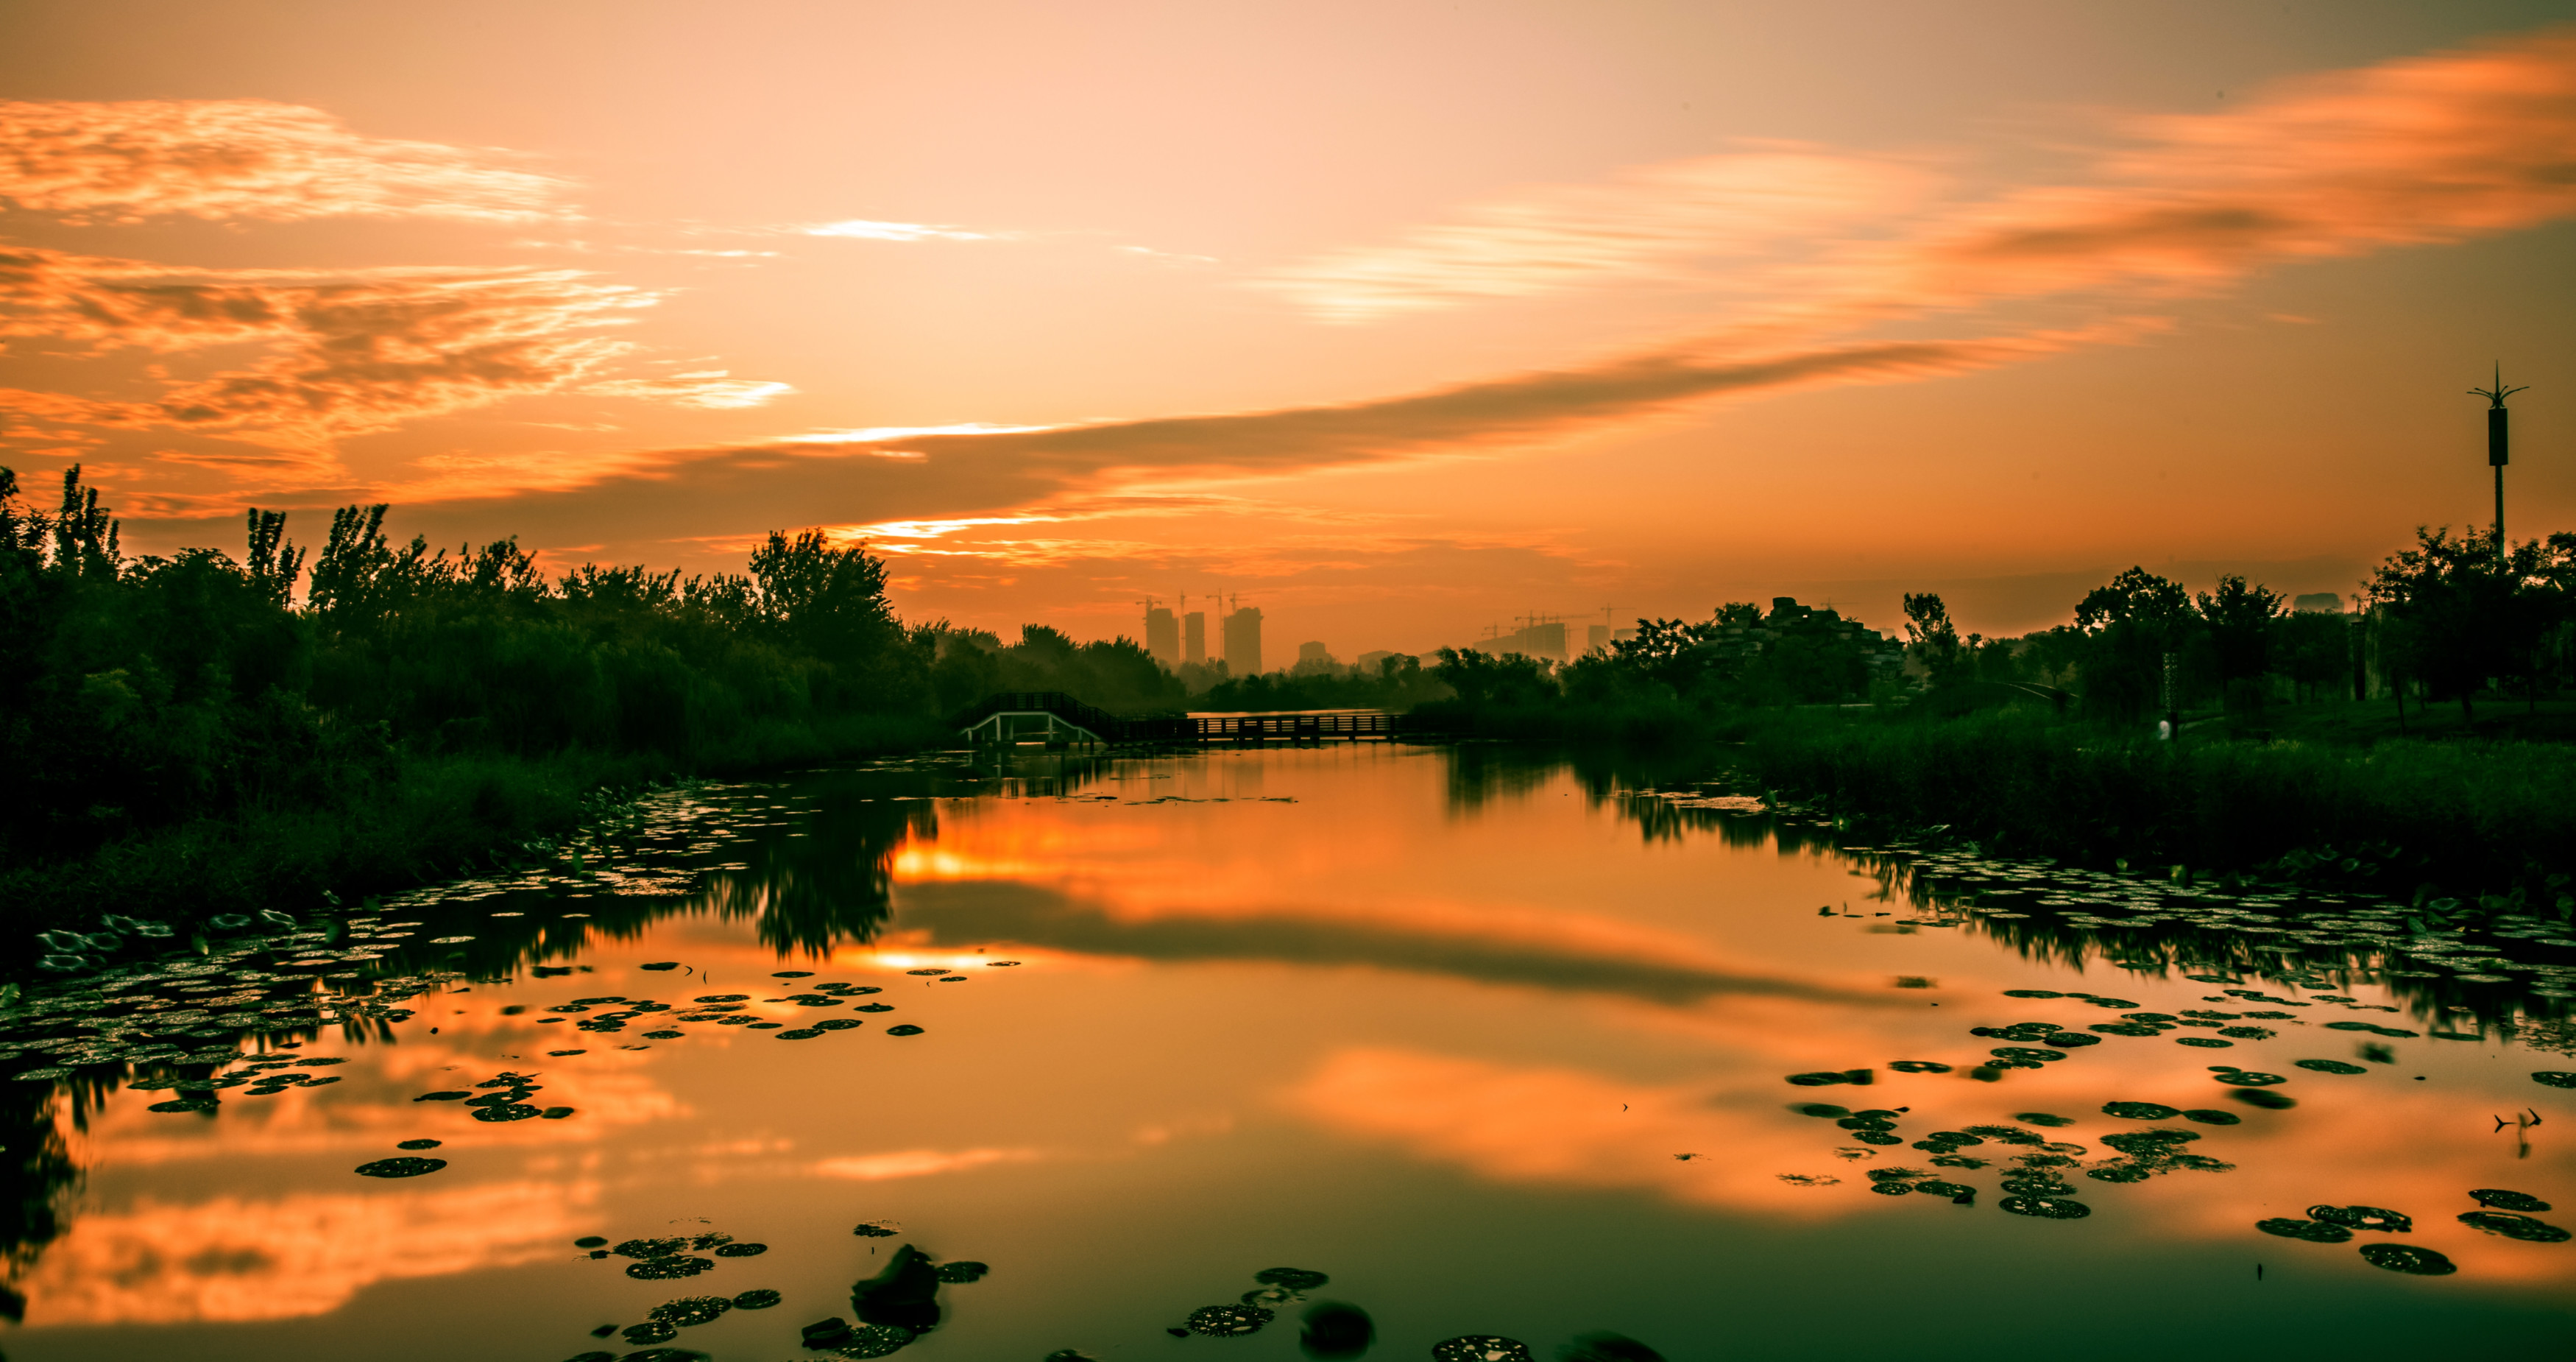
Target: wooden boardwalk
(1057, 719)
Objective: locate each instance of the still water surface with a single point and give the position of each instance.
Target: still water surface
(1499, 1044)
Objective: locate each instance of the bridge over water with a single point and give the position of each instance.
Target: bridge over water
(1054, 717)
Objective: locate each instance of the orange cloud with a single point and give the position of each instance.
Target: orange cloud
(346, 352)
(247, 158)
(2421, 150)
(1652, 222)
(1496, 415)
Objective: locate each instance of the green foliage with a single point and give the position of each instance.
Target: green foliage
(165, 715)
(1117, 674)
(1401, 683)
(1932, 639)
(2024, 783)
(2464, 611)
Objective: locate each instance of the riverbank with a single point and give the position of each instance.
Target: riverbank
(427, 817)
(2455, 815)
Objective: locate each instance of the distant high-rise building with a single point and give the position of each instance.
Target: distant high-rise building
(1162, 635)
(1597, 639)
(1243, 642)
(1194, 637)
(1546, 639)
(2319, 602)
(1314, 659)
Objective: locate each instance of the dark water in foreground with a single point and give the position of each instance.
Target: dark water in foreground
(1499, 1045)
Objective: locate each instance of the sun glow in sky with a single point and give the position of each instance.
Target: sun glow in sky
(1397, 319)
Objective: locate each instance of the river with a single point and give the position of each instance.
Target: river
(1498, 1043)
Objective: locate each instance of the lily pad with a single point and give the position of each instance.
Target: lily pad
(2502, 1200)
(1818, 1080)
(2513, 1226)
(1293, 1278)
(185, 1104)
(2069, 1040)
(400, 1168)
(651, 1248)
(1919, 1066)
(874, 1340)
(2364, 1218)
(2265, 1098)
(2247, 1032)
(515, 1111)
(442, 1097)
(800, 1033)
(2329, 1066)
(2042, 1118)
(837, 1024)
(2024, 1052)
(2115, 1004)
(741, 1250)
(1228, 1321)
(2139, 1111)
(903, 1030)
(2406, 1258)
(668, 1269)
(2555, 1078)
(2031, 993)
(2204, 1042)
(2048, 1207)
(761, 1299)
(1480, 1348)
(419, 1144)
(689, 1310)
(1822, 1109)
(2211, 1117)
(963, 1270)
(2247, 1078)
(2312, 1231)
(650, 1331)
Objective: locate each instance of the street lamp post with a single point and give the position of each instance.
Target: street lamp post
(2498, 442)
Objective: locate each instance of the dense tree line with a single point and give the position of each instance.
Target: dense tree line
(143, 692)
(2450, 619)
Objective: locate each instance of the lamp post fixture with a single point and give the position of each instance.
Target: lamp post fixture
(2497, 442)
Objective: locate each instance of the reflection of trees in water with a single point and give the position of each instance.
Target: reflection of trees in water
(2155, 952)
(1480, 773)
(836, 883)
(37, 1178)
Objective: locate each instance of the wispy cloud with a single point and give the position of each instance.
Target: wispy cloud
(343, 352)
(866, 230)
(1691, 217)
(2430, 149)
(714, 390)
(249, 158)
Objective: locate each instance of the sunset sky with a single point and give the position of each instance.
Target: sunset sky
(1398, 319)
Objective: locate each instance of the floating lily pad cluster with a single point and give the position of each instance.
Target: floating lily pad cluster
(500, 1099)
(1276, 1286)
